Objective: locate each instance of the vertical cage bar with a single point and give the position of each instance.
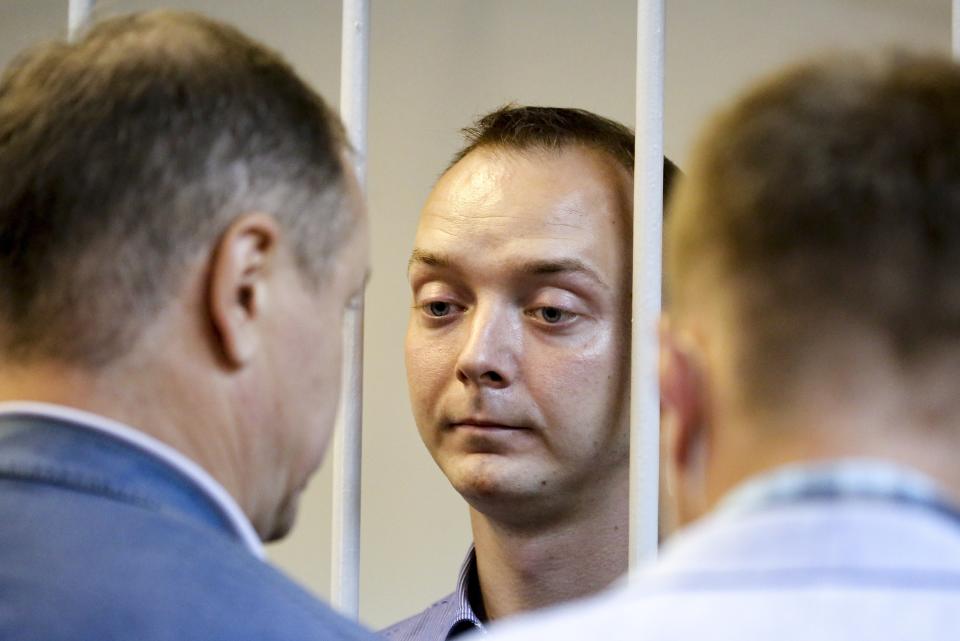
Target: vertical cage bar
(345, 557)
(647, 256)
(78, 16)
(955, 39)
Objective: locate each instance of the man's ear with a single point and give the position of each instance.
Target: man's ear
(238, 284)
(684, 428)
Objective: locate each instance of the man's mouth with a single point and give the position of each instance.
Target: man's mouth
(483, 424)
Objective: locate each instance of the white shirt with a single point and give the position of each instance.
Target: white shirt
(832, 552)
(214, 491)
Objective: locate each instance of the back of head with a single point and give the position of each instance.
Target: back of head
(124, 154)
(824, 208)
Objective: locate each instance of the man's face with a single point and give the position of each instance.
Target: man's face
(308, 360)
(517, 348)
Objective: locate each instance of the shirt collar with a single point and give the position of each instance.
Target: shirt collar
(842, 478)
(206, 483)
(465, 617)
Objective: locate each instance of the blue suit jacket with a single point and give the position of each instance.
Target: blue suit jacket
(101, 541)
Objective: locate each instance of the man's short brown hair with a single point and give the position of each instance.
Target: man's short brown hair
(124, 154)
(516, 127)
(828, 201)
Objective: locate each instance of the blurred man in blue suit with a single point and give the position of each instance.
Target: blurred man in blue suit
(180, 233)
(810, 370)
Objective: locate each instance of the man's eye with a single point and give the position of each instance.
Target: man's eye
(438, 309)
(552, 315)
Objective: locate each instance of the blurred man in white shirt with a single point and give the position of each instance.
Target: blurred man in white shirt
(810, 370)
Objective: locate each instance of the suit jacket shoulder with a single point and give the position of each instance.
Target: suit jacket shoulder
(84, 556)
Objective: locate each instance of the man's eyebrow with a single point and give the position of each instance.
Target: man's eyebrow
(428, 258)
(545, 267)
(549, 267)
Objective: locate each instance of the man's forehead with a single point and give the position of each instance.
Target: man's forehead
(525, 193)
(557, 217)
(532, 213)
(491, 170)
(479, 173)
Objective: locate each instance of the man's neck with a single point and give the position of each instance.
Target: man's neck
(523, 569)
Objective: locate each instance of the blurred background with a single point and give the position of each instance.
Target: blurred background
(436, 65)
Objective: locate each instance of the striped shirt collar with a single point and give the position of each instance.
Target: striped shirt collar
(464, 616)
(206, 483)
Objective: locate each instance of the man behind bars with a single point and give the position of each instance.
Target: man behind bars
(810, 370)
(180, 233)
(517, 358)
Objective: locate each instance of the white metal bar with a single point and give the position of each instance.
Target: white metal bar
(355, 78)
(647, 256)
(955, 40)
(78, 15)
(345, 557)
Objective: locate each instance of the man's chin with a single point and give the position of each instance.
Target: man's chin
(492, 488)
(520, 508)
(484, 475)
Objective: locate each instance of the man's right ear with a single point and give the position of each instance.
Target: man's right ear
(684, 429)
(238, 285)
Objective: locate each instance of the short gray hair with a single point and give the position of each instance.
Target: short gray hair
(126, 153)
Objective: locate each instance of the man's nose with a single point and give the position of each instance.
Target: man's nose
(489, 354)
